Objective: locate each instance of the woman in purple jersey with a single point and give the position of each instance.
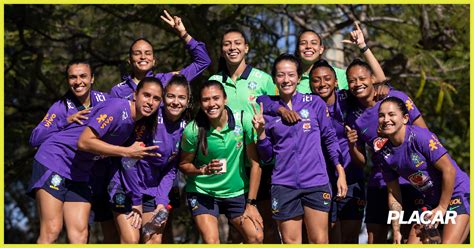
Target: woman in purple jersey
(363, 130)
(74, 107)
(417, 155)
(300, 184)
(346, 214)
(147, 183)
(142, 60)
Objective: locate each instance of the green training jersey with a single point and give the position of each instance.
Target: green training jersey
(304, 88)
(242, 93)
(228, 143)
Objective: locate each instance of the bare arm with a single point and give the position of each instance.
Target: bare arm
(357, 153)
(357, 38)
(90, 142)
(395, 204)
(447, 184)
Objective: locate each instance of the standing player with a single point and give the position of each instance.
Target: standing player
(214, 150)
(300, 184)
(61, 174)
(243, 83)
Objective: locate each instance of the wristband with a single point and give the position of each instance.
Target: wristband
(362, 50)
(252, 202)
(185, 36)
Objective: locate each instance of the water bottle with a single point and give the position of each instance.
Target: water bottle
(152, 227)
(429, 235)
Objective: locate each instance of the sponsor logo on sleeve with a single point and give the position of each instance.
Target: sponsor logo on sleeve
(49, 121)
(434, 143)
(104, 120)
(409, 104)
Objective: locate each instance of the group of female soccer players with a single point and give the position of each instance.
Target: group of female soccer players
(282, 156)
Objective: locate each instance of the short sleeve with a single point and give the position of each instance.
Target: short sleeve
(413, 111)
(429, 144)
(104, 118)
(189, 138)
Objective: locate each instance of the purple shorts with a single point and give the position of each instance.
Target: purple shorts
(288, 203)
(58, 186)
(204, 204)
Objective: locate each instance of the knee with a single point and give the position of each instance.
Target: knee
(318, 239)
(211, 239)
(78, 236)
(49, 232)
(130, 239)
(291, 239)
(156, 239)
(256, 238)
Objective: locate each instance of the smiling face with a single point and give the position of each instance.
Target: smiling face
(234, 48)
(286, 77)
(176, 100)
(309, 47)
(141, 57)
(213, 102)
(360, 82)
(147, 99)
(323, 82)
(391, 119)
(80, 79)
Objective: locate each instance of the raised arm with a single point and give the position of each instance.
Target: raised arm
(357, 38)
(197, 50)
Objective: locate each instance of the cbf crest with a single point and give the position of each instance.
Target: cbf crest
(252, 85)
(304, 113)
(416, 160)
(193, 203)
(275, 205)
(120, 199)
(55, 181)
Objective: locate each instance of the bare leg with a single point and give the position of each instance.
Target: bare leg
(50, 212)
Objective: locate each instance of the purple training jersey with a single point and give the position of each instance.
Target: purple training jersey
(110, 120)
(299, 160)
(55, 119)
(365, 121)
(414, 160)
(154, 176)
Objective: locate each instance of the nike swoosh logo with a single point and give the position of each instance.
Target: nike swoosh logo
(365, 130)
(453, 207)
